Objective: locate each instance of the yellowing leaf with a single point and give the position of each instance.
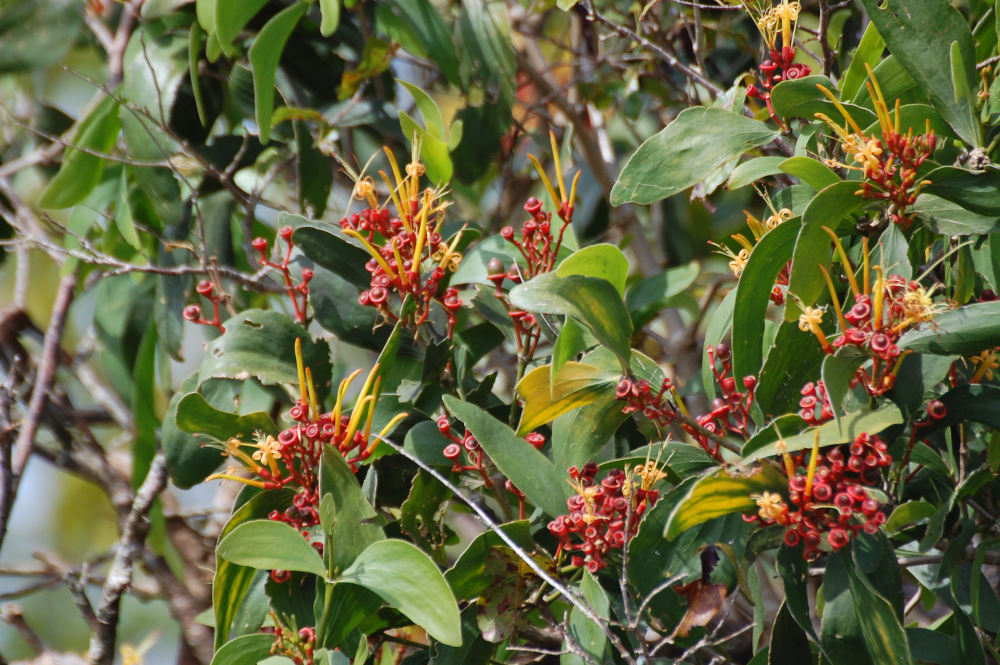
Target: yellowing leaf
(576, 385)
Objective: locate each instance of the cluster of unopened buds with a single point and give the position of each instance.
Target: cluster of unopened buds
(759, 228)
(408, 255)
(298, 645)
(298, 293)
(465, 447)
(779, 20)
(881, 312)
(538, 246)
(192, 313)
(829, 504)
(292, 459)
(889, 164)
(814, 406)
(604, 515)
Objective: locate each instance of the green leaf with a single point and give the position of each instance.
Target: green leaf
(594, 302)
(188, 461)
(829, 208)
(602, 260)
(920, 34)
(354, 525)
(788, 362)
(264, 56)
(838, 371)
(830, 433)
(789, 644)
(951, 219)
(408, 580)
(907, 514)
(893, 79)
(976, 191)
(420, 28)
(270, 545)
(575, 385)
(588, 635)
(244, 650)
(81, 171)
(485, 43)
(794, 577)
(800, 98)
(841, 631)
(433, 122)
(687, 152)
(262, 344)
(884, 637)
(529, 470)
(753, 292)
(571, 341)
(973, 403)
(719, 326)
(753, 170)
(231, 16)
(330, 10)
(869, 52)
(143, 413)
(233, 581)
(720, 493)
(467, 577)
(811, 171)
(196, 416)
(965, 330)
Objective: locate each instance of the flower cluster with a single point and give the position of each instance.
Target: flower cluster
(538, 247)
(292, 459)
(298, 294)
(889, 164)
(192, 313)
(409, 258)
(759, 228)
(780, 19)
(730, 413)
(299, 645)
(603, 515)
(829, 503)
(881, 311)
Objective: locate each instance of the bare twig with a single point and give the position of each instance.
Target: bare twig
(130, 548)
(10, 475)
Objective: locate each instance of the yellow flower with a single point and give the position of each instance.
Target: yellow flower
(985, 362)
(809, 321)
(770, 506)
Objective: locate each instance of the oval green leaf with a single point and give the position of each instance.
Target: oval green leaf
(269, 545)
(409, 581)
(603, 260)
(966, 330)
(264, 56)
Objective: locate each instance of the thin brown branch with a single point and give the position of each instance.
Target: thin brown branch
(130, 548)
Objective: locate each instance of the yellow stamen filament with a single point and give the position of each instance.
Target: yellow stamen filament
(572, 189)
(848, 268)
(364, 397)
(312, 394)
(450, 252)
(840, 107)
(396, 419)
(881, 108)
(782, 448)
(373, 252)
(866, 275)
(813, 460)
(300, 367)
(399, 261)
(834, 299)
(394, 165)
(246, 481)
(879, 297)
(395, 200)
(545, 179)
(680, 403)
(233, 449)
(985, 363)
(338, 409)
(371, 409)
(558, 165)
(421, 233)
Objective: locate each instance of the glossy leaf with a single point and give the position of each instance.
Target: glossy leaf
(81, 171)
(409, 581)
(264, 56)
(649, 295)
(602, 260)
(753, 170)
(753, 292)
(976, 191)
(575, 385)
(467, 575)
(687, 152)
(420, 28)
(231, 16)
(920, 35)
(588, 635)
(837, 373)
(965, 330)
(261, 344)
(830, 433)
(810, 171)
(330, 10)
(789, 645)
(792, 360)
(869, 52)
(800, 98)
(351, 522)
(269, 545)
(197, 416)
(592, 301)
(244, 650)
(721, 493)
(883, 635)
(529, 470)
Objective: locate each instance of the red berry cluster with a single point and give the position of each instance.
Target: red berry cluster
(596, 523)
(832, 500)
(771, 72)
(399, 248)
(814, 397)
(468, 445)
(298, 294)
(638, 396)
(192, 313)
